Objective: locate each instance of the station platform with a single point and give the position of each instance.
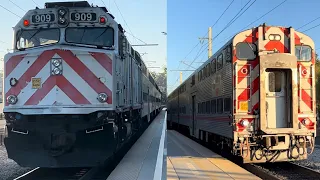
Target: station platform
(187, 159)
(146, 160)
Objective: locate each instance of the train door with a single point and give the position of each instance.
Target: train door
(193, 114)
(276, 106)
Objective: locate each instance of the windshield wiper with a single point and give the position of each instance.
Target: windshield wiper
(101, 34)
(35, 34)
(249, 45)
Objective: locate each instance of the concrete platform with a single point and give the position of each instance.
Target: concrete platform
(187, 159)
(146, 160)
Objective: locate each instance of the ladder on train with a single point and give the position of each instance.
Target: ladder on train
(309, 89)
(247, 76)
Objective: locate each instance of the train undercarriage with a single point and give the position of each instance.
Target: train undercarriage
(70, 140)
(259, 148)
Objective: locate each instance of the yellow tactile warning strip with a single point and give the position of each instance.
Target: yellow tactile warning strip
(198, 162)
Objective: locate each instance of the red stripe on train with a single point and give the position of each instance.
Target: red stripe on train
(245, 95)
(104, 60)
(252, 38)
(297, 39)
(63, 84)
(242, 75)
(85, 73)
(12, 63)
(33, 70)
(306, 98)
(271, 45)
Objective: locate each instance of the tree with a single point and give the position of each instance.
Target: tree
(161, 80)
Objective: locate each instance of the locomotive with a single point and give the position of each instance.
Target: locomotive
(255, 97)
(76, 91)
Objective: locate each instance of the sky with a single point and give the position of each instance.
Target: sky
(188, 20)
(144, 19)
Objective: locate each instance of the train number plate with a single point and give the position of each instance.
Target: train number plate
(42, 18)
(244, 106)
(83, 16)
(36, 83)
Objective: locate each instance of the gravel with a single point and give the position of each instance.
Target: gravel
(8, 168)
(313, 161)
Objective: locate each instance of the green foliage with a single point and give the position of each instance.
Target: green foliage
(161, 80)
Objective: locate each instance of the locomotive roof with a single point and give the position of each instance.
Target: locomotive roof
(67, 4)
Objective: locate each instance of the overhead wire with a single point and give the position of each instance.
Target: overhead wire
(10, 11)
(205, 35)
(17, 6)
(231, 21)
(274, 8)
(228, 25)
(308, 23)
(311, 28)
(35, 3)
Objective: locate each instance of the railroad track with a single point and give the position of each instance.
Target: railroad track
(286, 170)
(270, 171)
(59, 173)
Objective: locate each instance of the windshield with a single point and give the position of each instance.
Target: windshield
(303, 53)
(103, 37)
(36, 37)
(246, 51)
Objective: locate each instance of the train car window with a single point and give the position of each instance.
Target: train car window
(213, 66)
(193, 80)
(204, 72)
(203, 107)
(208, 69)
(246, 51)
(303, 53)
(228, 53)
(208, 107)
(213, 106)
(219, 105)
(227, 105)
(96, 36)
(220, 61)
(275, 81)
(199, 108)
(36, 37)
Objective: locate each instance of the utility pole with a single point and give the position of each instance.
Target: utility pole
(209, 38)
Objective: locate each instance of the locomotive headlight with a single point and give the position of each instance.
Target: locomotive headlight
(12, 99)
(62, 20)
(102, 97)
(306, 122)
(274, 37)
(56, 71)
(62, 12)
(56, 62)
(244, 122)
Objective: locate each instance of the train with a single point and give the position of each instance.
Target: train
(254, 98)
(75, 89)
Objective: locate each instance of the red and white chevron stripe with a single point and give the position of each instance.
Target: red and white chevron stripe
(85, 75)
(244, 83)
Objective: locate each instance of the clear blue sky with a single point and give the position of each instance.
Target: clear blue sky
(146, 20)
(188, 20)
